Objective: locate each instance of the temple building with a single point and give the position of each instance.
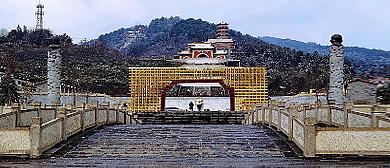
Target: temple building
(214, 52)
(204, 72)
(222, 41)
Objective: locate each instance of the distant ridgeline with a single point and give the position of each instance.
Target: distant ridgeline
(289, 71)
(101, 65)
(366, 61)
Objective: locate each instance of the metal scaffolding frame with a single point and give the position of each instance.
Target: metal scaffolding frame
(146, 84)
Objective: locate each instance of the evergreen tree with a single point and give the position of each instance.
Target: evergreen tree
(383, 94)
(8, 90)
(8, 87)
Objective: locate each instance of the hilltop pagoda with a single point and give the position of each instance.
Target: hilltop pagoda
(214, 52)
(204, 71)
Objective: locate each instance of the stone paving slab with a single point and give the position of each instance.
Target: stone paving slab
(178, 141)
(183, 146)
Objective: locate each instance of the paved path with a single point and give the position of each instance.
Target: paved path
(179, 146)
(195, 141)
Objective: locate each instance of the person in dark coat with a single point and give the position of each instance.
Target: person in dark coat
(191, 106)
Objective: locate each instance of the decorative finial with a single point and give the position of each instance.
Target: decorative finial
(336, 39)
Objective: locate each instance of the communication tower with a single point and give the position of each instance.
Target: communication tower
(39, 14)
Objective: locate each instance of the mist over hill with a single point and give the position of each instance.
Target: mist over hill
(367, 62)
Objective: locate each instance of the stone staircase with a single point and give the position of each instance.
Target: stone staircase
(190, 117)
(179, 141)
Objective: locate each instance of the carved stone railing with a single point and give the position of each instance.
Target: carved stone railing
(35, 130)
(311, 127)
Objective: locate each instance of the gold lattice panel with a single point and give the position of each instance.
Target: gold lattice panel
(146, 83)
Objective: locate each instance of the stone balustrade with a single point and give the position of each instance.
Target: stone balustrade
(327, 129)
(35, 130)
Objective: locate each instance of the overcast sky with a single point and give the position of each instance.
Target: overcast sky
(362, 23)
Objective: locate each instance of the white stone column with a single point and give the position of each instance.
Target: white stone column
(336, 62)
(309, 137)
(36, 131)
(54, 71)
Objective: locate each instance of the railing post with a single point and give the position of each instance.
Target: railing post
(16, 107)
(132, 120)
(375, 111)
(281, 107)
(318, 105)
(291, 121)
(306, 107)
(54, 104)
(61, 113)
(254, 109)
(125, 118)
(80, 108)
(36, 132)
(253, 116)
(106, 106)
(273, 107)
(263, 114)
(116, 107)
(258, 108)
(37, 105)
(270, 114)
(347, 106)
(331, 104)
(293, 113)
(95, 106)
(310, 137)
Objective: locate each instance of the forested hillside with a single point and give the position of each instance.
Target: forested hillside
(289, 71)
(101, 65)
(368, 62)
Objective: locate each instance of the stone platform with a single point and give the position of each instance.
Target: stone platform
(181, 146)
(190, 117)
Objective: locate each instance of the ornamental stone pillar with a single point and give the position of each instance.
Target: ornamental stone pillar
(54, 71)
(336, 61)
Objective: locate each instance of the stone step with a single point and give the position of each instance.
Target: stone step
(190, 117)
(178, 141)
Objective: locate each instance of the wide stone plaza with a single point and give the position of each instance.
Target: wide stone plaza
(183, 146)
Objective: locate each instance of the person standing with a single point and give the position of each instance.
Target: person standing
(199, 103)
(191, 106)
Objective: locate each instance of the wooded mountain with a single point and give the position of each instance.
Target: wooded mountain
(101, 65)
(289, 71)
(367, 62)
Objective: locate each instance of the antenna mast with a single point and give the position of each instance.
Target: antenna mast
(39, 14)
